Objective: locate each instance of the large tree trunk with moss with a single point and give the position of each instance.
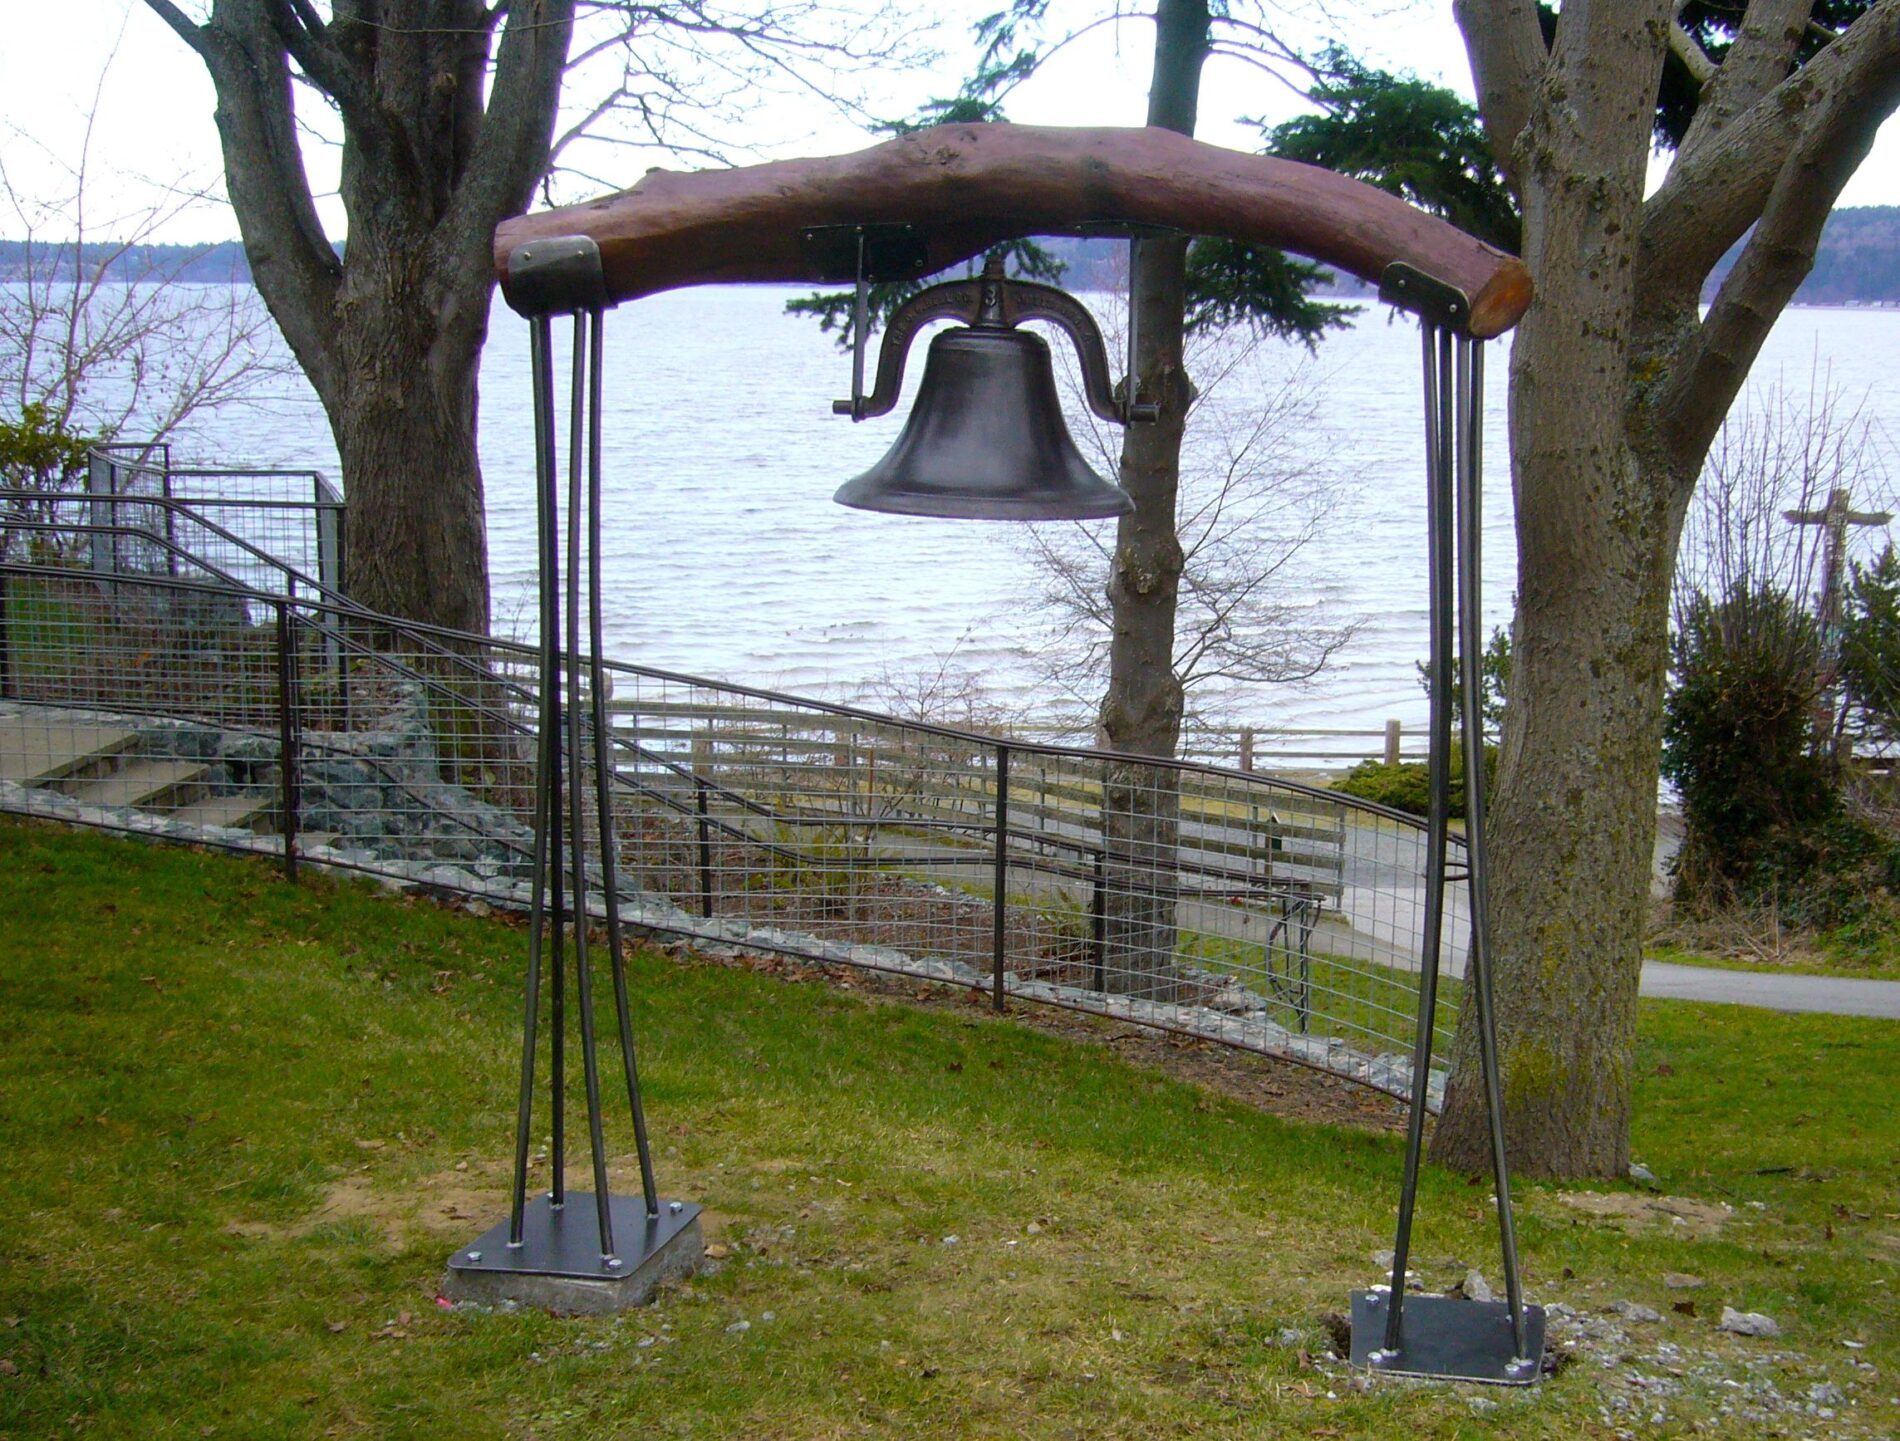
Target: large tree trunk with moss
(1141, 711)
(1618, 386)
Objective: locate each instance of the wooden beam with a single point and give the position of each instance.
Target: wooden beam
(967, 187)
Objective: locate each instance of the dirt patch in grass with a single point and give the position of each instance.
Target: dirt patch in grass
(1267, 1083)
(1698, 1219)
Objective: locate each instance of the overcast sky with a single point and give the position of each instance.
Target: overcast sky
(152, 132)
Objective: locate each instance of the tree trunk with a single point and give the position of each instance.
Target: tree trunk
(1141, 711)
(446, 126)
(1573, 823)
(406, 436)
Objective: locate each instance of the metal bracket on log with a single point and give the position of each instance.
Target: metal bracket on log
(1430, 299)
(888, 252)
(561, 275)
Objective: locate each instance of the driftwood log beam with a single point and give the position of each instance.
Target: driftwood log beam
(967, 187)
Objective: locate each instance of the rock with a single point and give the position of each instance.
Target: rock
(1681, 1281)
(1748, 1323)
(737, 1327)
(1632, 1311)
(1642, 1175)
(1476, 1287)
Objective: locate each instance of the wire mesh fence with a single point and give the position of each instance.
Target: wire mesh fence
(259, 526)
(178, 701)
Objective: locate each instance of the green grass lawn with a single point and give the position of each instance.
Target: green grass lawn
(246, 1122)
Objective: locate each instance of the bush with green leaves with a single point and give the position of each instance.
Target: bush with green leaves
(1745, 742)
(39, 459)
(1407, 785)
(1870, 648)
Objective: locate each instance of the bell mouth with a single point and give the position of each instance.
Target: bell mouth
(985, 440)
(867, 493)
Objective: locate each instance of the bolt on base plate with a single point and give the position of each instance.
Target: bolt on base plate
(559, 1266)
(1448, 1338)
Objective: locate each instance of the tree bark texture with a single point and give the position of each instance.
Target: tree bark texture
(1618, 386)
(1141, 711)
(438, 149)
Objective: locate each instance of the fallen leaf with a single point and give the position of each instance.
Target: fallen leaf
(718, 1251)
(333, 1327)
(7, 1368)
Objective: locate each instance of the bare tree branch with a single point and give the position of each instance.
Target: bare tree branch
(1758, 61)
(1714, 193)
(1505, 44)
(1841, 98)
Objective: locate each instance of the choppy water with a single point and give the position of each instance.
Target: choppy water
(726, 557)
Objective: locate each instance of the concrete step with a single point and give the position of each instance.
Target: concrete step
(254, 810)
(149, 783)
(35, 749)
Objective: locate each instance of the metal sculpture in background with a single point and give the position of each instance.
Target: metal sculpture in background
(909, 207)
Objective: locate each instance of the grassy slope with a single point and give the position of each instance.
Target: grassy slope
(244, 1123)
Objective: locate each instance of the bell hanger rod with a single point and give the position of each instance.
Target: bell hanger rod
(967, 187)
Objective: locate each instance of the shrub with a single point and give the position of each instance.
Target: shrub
(1745, 743)
(1407, 785)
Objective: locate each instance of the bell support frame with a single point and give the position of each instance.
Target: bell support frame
(932, 199)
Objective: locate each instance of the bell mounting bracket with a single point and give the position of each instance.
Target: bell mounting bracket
(992, 301)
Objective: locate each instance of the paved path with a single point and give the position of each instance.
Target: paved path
(1664, 980)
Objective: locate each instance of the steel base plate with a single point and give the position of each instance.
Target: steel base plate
(1449, 1338)
(559, 1264)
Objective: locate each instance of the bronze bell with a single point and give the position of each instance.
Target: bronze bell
(985, 439)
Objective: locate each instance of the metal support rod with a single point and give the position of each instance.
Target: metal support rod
(701, 788)
(603, 774)
(542, 364)
(557, 840)
(1439, 438)
(577, 792)
(287, 734)
(1471, 647)
(999, 877)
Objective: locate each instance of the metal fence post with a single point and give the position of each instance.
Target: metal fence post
(1000, 877)
(1098, 919)
(700, 788)
(287, 734)
(6, 644)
